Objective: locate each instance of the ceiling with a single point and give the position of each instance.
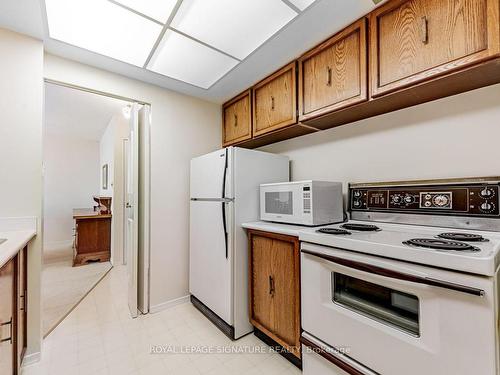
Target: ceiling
(178, 51)
(78, 114)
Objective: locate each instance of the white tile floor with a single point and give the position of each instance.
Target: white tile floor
(99, 337)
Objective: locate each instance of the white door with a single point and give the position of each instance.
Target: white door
(132, 210)
(144, 215)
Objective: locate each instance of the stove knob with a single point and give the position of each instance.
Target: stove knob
(427, 204)
(441, 200)
(486, 193)
(357, 194)
(396, 199)
(486, 206)
(357, 204)
(409, 199)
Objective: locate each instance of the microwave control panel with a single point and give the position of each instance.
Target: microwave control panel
(481, 199)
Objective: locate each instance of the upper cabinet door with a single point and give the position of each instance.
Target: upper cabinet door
(275, 101)
(414, 40)
(334, 74)
(237, 119)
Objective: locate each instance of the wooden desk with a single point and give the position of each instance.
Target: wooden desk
(92, 236)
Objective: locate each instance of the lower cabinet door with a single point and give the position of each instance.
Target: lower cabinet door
(261, 288)
(7, 298)
(275, 288)
(21, 304)
(285, 292)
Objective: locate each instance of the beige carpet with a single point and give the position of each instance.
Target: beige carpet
(64, 286)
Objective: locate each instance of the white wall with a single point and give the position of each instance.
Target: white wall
(107, 151)
(71, 178)
(21, 90)
(182, 127)
(452, 137)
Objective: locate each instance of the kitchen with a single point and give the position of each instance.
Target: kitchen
(432, 117)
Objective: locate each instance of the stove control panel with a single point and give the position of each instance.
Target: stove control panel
(477, 199)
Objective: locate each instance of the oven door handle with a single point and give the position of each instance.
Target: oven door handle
(376, 270)
(341, 361)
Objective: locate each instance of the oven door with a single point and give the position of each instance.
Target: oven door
(399, 318)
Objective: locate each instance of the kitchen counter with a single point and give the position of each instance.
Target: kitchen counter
(265, 226)
(17, 232)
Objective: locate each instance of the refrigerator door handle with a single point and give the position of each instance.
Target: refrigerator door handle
(224, 225)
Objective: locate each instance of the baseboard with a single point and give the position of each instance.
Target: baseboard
(32, 358)
(168, 304)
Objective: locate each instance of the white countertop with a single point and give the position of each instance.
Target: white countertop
(265, 226)
(18, 232)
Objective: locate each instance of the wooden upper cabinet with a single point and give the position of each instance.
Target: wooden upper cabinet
(237, 119)
(334, 74)
(275, 101)
(414, 40)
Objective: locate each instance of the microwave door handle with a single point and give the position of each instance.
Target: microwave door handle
(341, 361)
(380, 271)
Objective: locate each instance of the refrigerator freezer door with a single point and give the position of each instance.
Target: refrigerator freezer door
(207, 174)
(210, 272)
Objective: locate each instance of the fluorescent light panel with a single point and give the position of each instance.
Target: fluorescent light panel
(159, 10)
(187, 60)
(102, 27)
(302, 4)
(236, 27)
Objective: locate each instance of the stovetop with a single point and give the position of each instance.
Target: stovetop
(394, 241)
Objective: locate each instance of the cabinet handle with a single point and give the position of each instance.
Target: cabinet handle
(271, 286)
(22, 308)
(328, 76)
(272, 103)
(8, 338)
(235, 120)
(424, 30)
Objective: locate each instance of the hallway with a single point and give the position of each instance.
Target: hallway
(98, 337)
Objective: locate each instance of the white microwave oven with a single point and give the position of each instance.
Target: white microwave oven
(302, 202)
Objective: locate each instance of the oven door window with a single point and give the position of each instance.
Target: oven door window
(397, 309)
(279, 202)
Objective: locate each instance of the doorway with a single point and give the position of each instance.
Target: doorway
(84, 194)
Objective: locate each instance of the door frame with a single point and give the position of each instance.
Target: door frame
(145, 165)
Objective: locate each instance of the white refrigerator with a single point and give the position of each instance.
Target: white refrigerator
(224, 194)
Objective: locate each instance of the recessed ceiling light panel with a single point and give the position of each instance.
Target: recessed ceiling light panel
(184, 59)
(236, 27)
(102, 27)
(159, 10)
(302, 4)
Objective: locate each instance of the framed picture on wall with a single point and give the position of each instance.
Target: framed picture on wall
(105, 176)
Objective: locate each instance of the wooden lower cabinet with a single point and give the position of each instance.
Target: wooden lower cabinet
(22, 303)
(275, 287)
(7, 318)
(92, 237)
(13, 313)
